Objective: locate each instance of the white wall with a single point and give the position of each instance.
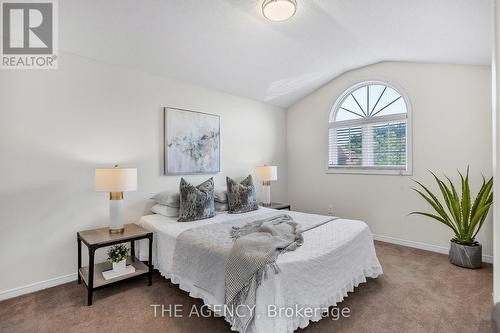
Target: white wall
(57, 126)
(451, 129)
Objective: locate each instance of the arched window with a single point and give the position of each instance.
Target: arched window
(368, 131)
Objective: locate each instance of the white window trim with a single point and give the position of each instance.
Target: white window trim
(374, 120)
(409, 133)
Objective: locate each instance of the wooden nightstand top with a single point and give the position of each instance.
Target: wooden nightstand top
(102, 236)
(277, 205)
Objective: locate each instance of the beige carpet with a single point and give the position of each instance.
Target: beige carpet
(420, 292)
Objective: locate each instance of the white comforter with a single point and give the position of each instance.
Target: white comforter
(334, 259)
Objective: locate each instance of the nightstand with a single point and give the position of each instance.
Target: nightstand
(97, 238)
(277, 205)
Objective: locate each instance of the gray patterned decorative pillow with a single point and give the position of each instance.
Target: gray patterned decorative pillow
(241, 197)
(196, 203)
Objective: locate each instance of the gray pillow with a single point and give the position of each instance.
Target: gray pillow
(221, 207)
(220, 194)
(241, 197)
(196, 203)
(165, 210)
(169, 198)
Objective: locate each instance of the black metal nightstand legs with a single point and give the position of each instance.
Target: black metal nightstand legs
(79, 241)
(90, 287)
(150, 262)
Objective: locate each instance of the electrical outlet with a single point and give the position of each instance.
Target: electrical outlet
(330, 209)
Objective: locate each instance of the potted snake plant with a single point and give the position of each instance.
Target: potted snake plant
(118, 255)
(461, 214)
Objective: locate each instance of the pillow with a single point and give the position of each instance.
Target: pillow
(220, 194)
(169, 198)
(241, 197)
(196, 203)
(165, 210)
(221, 207)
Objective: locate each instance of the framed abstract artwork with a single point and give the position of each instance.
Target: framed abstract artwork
(192, 142)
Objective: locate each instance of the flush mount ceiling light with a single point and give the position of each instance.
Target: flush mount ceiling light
(279, 10)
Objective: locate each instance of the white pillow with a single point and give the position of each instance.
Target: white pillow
(165, 210)
(171, 198)
(221, 207)
(220, 194)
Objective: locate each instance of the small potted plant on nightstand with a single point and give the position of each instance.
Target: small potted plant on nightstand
(118, 255)
(464, 215)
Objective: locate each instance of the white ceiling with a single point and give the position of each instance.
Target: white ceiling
(228, 45)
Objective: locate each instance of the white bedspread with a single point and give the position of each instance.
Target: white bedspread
(334, 259)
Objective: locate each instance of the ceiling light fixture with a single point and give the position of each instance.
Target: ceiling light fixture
(279, 10)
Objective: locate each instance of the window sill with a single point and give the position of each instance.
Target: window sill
(368, 171)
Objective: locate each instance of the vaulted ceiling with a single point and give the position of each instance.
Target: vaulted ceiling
(228, 45)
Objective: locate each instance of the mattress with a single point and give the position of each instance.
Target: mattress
(334, 259)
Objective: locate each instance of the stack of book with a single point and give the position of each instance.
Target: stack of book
(107, 275)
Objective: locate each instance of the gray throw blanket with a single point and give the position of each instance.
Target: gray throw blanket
(202, 253)
(255, 250)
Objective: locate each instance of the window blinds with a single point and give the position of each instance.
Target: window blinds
(370, 145)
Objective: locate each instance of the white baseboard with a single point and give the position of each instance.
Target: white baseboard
(422, 246)
(37, 286)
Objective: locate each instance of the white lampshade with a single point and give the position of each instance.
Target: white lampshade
(116, 179)
(279, 10)
(266, 173)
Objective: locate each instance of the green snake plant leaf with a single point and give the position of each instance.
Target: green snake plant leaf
(483, 218)
(476, 218)
(465, 204)
(448, 198)
(455, 203)
(462, 214)
(434, 202)
(485, 202)
(478, 197)
(485, 195)
(438, 218)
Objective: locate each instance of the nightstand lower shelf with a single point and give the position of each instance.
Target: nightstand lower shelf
(99, 281)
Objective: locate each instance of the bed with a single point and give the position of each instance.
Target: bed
(335, 258)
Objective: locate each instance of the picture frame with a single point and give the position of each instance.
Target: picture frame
(191, 142)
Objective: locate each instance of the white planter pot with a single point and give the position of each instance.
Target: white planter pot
(119, 266)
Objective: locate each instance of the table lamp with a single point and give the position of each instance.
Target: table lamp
(266, 174)
(115, 180)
